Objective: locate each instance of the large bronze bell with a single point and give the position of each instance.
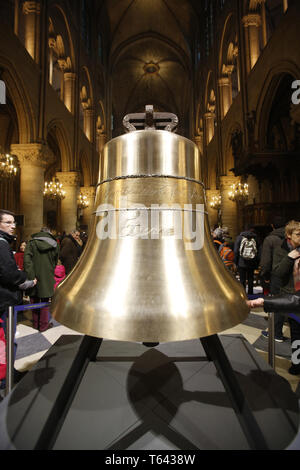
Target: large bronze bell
(158, 278)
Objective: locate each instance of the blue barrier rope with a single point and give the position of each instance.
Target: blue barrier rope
(294, 316)
(21, 308)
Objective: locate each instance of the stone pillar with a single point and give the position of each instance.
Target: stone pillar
(63, 66)
(32, 12)
(52, 45)
(251, 24)
(70, 181)
(264, 23)
(16, 18)
(228, 207)
(101, 139)
(33, 160)
(213, 214)
(226, 94)
(89, 192)
(88, 123)
(69, 90)
(199, 142)
(209, 119)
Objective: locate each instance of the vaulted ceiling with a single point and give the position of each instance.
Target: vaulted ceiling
(150, 60)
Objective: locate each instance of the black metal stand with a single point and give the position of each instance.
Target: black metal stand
(215, 352)
(88, 351)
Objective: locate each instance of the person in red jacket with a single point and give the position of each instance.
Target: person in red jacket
(59, 273)
(2, 352)
(19, 256)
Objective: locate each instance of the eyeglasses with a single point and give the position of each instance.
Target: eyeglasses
(7, 223)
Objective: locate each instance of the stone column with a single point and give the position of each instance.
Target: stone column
(89, 192)
(251, 24)
(226, 94)
(199, 142)
(32, 12)
(70, 181)
(101, 139)
(264, 23)
(69, 90)
(209, 119)
(16, 18)
(88, 123)
(213, 214)
(33, 160)
(228, 207)
(63, 66)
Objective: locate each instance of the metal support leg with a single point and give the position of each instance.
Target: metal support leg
(215, 352)
(271, 340)
(86, 353)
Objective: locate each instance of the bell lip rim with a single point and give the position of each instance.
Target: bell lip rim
(152, 131)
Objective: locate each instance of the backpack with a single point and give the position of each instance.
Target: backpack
(248, 248)
(227, 255)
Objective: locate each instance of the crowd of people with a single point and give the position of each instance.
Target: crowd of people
(41, 263)
(33, 271)
(276, 263)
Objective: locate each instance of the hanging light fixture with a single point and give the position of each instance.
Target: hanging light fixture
(8, 166)
(82, 201)
(216, 202)
(54, 190)
(238, 192)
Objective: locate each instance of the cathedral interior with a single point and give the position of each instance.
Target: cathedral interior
(227, 69)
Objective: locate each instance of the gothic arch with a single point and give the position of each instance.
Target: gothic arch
(57, 130)
(20, 101)
(87, 83)
(270, 86)
(208, 90)
(61, 26)
(224, 42)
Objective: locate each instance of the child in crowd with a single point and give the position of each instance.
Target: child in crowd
(59, 273)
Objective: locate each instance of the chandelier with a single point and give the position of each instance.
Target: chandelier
(8, 166)
(238, 192)
(82, 201)
(215, 202)
(54, 190)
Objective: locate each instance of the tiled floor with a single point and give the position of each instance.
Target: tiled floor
(32, 345)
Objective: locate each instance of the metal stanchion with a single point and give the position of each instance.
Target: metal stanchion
(271, 340)
(10, 334)
(10, 338)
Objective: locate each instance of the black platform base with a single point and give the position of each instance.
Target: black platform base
(132, 397)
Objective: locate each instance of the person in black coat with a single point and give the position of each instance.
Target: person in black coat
(12, 281)
(246, 266)
(271, 281)
(70, 250)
